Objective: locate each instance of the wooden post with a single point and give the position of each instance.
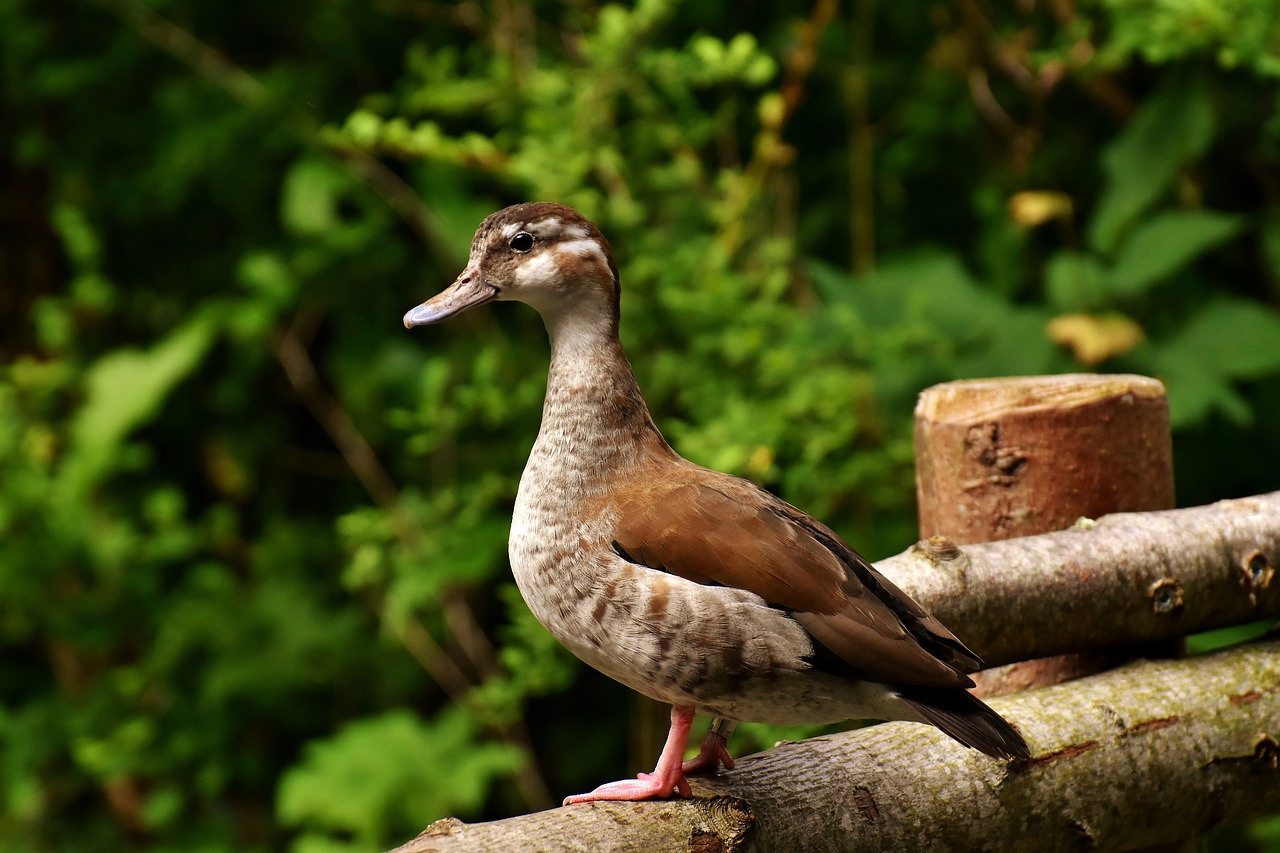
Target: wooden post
(1000, 458)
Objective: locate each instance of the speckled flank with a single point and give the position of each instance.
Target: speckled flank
(677, 641)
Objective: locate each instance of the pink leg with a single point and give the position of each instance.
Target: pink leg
(666, 778)
(714, 751)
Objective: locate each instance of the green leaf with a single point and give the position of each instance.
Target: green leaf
(123, 390)
(269, 277)
(1242, 339)
(929, 321)
(1166, 244)
(385, 775)
(1230, 339)
(1196, 390)
(310, 195)
(79, 239)
(1075, 281)
(1270, 233)
(1235, 34)
(1173, 127)
(1267, 830)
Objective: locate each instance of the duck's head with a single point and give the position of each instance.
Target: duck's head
(544, 254)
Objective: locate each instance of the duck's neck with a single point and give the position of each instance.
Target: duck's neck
(594, 419)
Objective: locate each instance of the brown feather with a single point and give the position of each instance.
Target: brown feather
(712, 528)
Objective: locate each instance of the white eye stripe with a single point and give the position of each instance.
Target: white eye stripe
(583, 248)
(547, 227)
(572, 237)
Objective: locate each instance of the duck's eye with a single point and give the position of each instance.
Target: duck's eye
(522, 242)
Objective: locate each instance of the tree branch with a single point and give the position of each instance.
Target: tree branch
(1150, 753)
(1126, 578)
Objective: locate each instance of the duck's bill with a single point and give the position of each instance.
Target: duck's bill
(466, 292)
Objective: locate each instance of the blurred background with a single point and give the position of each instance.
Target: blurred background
(253, 580)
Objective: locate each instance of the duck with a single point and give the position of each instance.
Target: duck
(696, 588)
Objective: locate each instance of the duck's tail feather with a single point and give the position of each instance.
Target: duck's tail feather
(966, 718)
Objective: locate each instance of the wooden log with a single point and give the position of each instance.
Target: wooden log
(1001, 458)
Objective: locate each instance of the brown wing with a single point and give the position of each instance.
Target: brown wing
(719, 530)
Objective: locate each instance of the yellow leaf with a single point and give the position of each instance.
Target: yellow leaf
(760, 461)
(1093, 339)
(1036, 207)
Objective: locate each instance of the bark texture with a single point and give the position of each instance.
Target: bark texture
(1125, 579)
(999, 458)
(702, 825)
(1148, 753)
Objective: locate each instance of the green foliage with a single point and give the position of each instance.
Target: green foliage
(1224, 341)
(1172, 129)
(1235, 33)
(1164, 245)
(249, 522)
(122, 390)
(345, 785)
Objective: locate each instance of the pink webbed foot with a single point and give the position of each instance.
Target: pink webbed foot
(667, 778)
(714, 751)
(646, 786)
